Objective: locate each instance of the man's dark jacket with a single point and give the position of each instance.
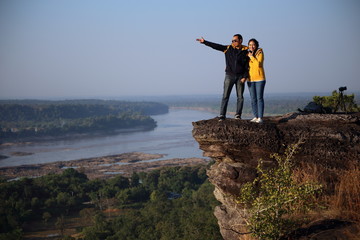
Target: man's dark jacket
(237, 61)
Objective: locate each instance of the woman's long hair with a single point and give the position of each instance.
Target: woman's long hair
(256, 44)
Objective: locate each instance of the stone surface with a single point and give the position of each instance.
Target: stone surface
(330, 141)
(102, 167)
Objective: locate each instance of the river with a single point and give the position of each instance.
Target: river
(171, 137)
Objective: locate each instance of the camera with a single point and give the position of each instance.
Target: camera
(342, 89)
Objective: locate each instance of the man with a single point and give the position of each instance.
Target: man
(236, 72)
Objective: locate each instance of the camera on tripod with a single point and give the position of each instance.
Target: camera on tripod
(340, 101)
(341, 89)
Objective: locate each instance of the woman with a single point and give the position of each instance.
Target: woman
(256, 81)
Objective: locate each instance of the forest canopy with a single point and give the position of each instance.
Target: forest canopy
(167, 203)
(36, 118)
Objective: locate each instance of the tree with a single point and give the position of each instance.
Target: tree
(60, 224)
(157, 196)
(86, 214)
(116, 184)
(100, 230)
(135, 179)
(46, 216)
(16, 234)
(98, 199)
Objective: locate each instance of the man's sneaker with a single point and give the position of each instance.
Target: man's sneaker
(221, 118)
(254, 120)
(237, 116)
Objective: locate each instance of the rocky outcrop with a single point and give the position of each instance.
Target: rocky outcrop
(331, 142)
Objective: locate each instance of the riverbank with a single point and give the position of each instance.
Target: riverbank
(102, 167)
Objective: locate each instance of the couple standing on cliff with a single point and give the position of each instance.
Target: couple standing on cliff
(243, 64)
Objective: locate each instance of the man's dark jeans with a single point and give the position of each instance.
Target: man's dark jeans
(228, 85)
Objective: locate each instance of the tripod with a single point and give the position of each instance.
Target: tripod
(340, 100)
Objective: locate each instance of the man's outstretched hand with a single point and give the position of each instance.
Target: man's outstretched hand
(201, 40)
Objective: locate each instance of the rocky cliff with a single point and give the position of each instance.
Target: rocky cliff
(330, 150)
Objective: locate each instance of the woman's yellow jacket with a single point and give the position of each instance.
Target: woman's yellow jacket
(256, 66)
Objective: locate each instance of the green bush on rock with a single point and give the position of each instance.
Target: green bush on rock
(274, 199)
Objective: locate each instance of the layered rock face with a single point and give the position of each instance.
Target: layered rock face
(330, 141)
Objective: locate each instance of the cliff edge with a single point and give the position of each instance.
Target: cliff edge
(329, 152)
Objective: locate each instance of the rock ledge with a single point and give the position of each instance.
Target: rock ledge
(331, 142)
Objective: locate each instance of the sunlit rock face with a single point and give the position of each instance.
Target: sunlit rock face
(330, 142)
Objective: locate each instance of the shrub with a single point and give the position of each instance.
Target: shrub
(274, 198)
(338, 101)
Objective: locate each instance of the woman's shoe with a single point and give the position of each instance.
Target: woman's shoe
(254, 120)
(259, 120)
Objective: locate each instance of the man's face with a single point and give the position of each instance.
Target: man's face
(236, 42)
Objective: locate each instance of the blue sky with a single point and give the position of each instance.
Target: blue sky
(116, 48)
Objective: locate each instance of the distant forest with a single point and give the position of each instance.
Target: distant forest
(36, 118)
(168, 203)
(275, 104)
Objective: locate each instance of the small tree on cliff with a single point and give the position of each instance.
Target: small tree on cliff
(274, 198)
(338, 101)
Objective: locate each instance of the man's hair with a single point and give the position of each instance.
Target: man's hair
(239, 36)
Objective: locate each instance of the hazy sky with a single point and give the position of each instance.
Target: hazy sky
(86, 48)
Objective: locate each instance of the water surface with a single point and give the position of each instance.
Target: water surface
(172, 137)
